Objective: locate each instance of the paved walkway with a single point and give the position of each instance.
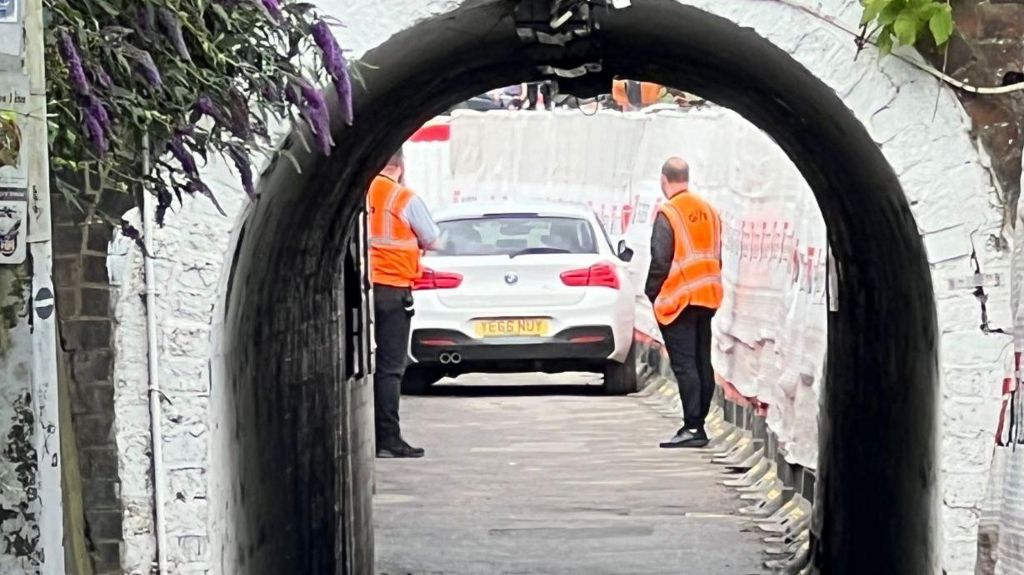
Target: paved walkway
(551, 480)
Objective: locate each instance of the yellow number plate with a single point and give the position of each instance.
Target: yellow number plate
(512, 327)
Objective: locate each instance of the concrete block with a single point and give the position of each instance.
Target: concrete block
(91, 400)
(94, 269)
(95, 302)
(67, 240)
(102, 463)
(107, 558)
(88, 334)
(67, 271)
(104, 525)
(98, 238)
(95, 430)
(101, 495)
(92, 365)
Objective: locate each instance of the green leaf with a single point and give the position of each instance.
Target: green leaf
(872, 8)
(107, 7)
(885, 41)
(222, 14)
(891, 11)
(906, 28)
(941, 25)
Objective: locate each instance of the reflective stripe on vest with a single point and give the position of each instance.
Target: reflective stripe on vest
(388, 238)
(394, 249)
(695, 275)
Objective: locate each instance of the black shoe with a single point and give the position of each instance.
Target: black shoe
(399, 450)
(687, 438)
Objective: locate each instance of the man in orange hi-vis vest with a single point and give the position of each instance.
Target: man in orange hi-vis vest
(685, 285)
(399, 226)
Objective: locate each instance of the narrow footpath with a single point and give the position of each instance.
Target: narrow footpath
(552, 479)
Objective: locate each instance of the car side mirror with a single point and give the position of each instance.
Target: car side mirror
(625, 253)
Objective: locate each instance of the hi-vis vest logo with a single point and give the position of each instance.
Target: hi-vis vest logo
(697, 216)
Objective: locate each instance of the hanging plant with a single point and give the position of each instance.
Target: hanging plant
(196, 76)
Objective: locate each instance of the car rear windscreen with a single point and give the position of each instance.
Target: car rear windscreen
(496, 235)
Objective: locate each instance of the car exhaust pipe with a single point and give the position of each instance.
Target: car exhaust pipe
(455, 357)
(446, 358)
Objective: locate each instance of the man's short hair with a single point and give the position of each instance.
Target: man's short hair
(676, 170)
(396, 159)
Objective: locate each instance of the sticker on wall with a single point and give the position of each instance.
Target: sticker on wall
(8, 11)
(13, 225)
(13, 112)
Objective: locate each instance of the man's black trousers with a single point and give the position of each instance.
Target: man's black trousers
(688, 340)
(392, 312)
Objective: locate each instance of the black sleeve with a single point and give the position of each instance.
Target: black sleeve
(662, 250)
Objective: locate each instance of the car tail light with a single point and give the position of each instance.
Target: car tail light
(437, 280)
(597, 275)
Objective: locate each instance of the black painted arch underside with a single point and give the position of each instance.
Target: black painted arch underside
(876, 501)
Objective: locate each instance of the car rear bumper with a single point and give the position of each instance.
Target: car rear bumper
(588, 344)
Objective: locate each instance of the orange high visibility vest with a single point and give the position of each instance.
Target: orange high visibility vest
(619, 93)
(394, 249)
(650, 93)
(696, 274)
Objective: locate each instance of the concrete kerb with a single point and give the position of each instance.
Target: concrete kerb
(777, 495)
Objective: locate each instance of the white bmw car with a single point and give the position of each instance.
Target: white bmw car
(523, 287)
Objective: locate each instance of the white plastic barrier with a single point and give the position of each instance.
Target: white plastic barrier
(427, 163)
(770, 332)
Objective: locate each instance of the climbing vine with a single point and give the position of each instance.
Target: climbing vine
(191, 77)
(905, 22)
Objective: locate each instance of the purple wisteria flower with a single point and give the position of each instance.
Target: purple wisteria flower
(238, 108)
(204, 106)
(336, 66)
(76, 73)
(163, 202)
(271, 92)
(273, 7)
(94, 132)
(319, 120)
(96, 109)
(177, 149)
(172, 28)
(144, 19)
(99, 74)
(244, 167)
(147, 68)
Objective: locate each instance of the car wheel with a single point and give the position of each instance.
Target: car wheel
(417, 380)
(620, 378)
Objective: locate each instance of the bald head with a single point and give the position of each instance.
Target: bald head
(676, 171)
(675, 176)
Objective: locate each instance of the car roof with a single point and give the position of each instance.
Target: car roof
(519, 206)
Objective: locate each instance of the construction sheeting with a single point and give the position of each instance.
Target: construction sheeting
(771, 331)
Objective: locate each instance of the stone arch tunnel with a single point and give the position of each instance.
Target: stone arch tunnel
(295, 373)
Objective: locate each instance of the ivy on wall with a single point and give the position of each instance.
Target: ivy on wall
(196, 77)
(905, 22)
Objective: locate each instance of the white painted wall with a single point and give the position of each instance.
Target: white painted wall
(919, 125)
(189, 256)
